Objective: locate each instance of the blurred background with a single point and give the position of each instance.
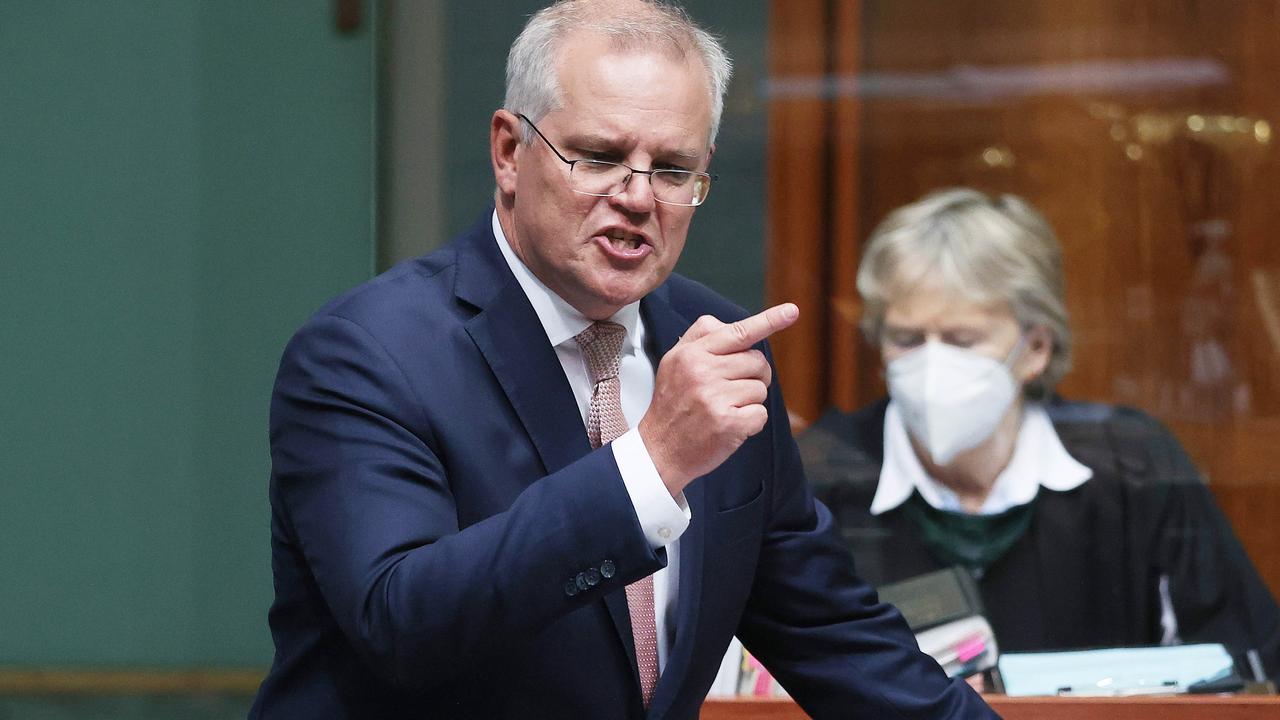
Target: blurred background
(182, 182)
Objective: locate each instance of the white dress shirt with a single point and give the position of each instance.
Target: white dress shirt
(662, 518)
(1039, 459)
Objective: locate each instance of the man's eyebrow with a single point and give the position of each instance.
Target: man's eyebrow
(592, 141)
(589, 140)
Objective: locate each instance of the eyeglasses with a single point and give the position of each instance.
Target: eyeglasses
(606, 179)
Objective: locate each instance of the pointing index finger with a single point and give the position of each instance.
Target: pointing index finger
(741, 335)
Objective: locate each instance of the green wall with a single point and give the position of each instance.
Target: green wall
(181, 184)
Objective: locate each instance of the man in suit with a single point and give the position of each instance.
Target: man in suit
(535, 474)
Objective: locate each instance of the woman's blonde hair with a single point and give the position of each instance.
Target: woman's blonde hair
(982, 248)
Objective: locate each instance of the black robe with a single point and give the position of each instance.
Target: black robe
(1086, 573)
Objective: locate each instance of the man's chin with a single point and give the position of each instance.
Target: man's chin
(603, 305)
(620, 294)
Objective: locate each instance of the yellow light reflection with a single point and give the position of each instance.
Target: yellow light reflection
(998, 157)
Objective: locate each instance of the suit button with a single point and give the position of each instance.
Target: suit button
(571, 588)
(581, 581)
(593, 577)
(607, 569)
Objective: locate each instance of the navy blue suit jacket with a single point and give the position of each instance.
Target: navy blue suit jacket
(434, 499)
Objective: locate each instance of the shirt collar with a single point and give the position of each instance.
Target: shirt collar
(561, 321)
(1039, 460)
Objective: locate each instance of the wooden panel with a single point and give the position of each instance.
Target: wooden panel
(751, 709)
(846, 193)
(1198, 707)
(1184, 707)
(798, 132)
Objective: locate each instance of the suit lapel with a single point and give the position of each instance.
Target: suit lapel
(514, 344)
(665, 326)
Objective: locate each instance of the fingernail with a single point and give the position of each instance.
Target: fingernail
(790, 312)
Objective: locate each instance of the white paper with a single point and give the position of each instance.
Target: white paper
(1115, 671)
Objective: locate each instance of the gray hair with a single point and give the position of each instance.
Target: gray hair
(533, 86)
(985, 249)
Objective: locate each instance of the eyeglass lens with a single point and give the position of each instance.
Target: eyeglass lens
(677, 187)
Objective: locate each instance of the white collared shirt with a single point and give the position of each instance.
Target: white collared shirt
(662, 518)
(1039, 460)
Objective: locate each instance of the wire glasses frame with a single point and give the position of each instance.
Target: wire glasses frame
(601, 178)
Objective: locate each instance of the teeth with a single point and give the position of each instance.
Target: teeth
(622, 240)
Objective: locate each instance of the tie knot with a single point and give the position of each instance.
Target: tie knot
(601, 345)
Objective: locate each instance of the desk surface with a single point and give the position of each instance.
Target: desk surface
(1174, 707)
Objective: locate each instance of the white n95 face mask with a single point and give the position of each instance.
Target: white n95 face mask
(951, 398)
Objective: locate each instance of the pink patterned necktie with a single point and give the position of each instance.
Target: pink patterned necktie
(601, 345)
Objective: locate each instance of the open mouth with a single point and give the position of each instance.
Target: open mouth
(624, 241)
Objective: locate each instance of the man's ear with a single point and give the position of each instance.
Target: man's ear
(504, 142)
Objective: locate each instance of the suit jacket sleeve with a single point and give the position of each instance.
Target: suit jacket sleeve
(366, 496)
(822, 631)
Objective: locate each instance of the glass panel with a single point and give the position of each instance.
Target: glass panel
(1145, 132)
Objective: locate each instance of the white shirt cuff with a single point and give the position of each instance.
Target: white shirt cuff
(662, 517)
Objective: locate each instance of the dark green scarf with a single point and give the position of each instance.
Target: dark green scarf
(971, 541)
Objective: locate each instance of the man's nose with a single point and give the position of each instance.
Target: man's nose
(637, 194)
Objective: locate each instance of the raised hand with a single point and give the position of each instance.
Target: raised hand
(709, 394)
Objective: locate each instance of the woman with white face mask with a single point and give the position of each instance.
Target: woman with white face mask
(1084, 525)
